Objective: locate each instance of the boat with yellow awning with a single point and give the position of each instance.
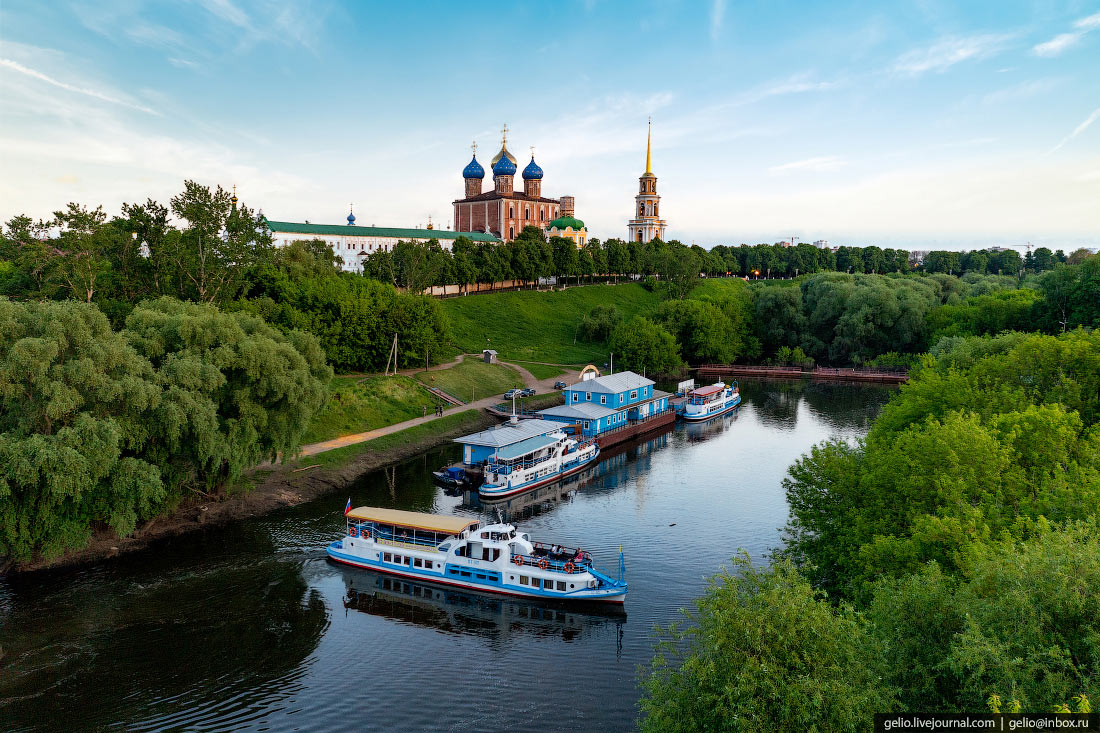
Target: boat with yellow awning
(459, 551)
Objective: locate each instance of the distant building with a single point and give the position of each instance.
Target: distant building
(606, 403)
(822, 244)
(567, 225)
(503, 212)
(916, 256)
(647, 225)
(352, 243)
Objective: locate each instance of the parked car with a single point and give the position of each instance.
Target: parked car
(528, 392)
(517, 392)
(560, 385)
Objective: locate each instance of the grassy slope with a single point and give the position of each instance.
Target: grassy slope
(465, 421)
(473, 377)
(540, 325)
(541, 371)
(359, 404)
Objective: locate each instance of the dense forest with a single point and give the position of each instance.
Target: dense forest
(950, 561)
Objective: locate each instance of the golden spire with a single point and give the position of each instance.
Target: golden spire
(648, 146)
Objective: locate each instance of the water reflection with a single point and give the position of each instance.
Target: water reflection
(466, 612)
(153, 654)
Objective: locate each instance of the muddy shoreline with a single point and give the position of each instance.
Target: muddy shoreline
(276, 487)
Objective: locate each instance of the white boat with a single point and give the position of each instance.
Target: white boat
(707, 402)
(535, 462)
(458, 551)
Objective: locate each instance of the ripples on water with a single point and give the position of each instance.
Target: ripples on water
(249, 627)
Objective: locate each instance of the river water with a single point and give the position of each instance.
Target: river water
(248, 626)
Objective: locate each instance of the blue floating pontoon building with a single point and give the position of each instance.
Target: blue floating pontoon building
(612, 408)
(478, 447)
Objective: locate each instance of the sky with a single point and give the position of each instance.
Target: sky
(907, 124)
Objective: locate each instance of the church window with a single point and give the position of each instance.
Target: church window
(526, 212)
(542, 214)
(511, 212)
(511, 232)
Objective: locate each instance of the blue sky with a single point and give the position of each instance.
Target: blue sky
(920, 124)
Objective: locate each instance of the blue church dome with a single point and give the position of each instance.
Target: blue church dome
(473, 169)
(505, 166)
(532, 172)
(351, 218)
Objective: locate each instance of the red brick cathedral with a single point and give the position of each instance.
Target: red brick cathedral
(504, 211)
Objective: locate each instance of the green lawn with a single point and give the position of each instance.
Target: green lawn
(473, 379)
(540, 326)
(543, 371)
(359, 404)
(467, 419)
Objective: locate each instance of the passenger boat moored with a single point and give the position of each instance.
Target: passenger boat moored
(535, 462)
(707, 402)
(458, 551)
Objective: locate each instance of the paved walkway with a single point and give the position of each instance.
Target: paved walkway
(541, 386)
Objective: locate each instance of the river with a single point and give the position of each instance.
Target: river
(248, 626)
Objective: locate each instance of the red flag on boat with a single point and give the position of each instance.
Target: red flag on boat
(347, 509)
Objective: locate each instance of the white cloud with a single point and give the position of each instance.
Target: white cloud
(1056, 45)
(86, 91)
(822, 163)
(1090, 22)
(1079, 129)
(1089, 176)
(949, 51)
(717, 15)
(1022, 90)
(1063, 41)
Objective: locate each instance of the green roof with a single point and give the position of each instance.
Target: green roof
(567, 221)
(354, 231)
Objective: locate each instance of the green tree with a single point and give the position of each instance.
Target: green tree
(642, 345)
(80, 249)
(222, 241)
(762, 651)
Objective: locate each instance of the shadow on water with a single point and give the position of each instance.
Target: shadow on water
(143, 645)
(491, 617)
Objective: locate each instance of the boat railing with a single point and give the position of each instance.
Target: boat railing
(508, 468)
(383, 537)
(545, 563)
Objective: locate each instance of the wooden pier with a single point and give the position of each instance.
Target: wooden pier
(839, 374)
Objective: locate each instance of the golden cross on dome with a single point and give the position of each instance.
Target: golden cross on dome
(532, 152)
(351, 207)
(504, 134)
(474, 147)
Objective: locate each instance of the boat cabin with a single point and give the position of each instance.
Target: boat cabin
(399, 527)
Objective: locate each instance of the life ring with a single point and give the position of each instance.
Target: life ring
(366, 534)
(353, 532)
(570, 567)
(518, 560)
(543, 564)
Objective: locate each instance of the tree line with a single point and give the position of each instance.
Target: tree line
(947, 562)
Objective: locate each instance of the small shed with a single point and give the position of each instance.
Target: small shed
(490, 356)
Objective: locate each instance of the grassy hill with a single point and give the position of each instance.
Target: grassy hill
(359, 404)
(540, 326)
(473, 379)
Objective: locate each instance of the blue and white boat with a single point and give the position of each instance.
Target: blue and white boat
(535, 462)
(707, 402)
(458, 551)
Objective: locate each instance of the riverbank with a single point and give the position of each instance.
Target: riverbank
(272, 487)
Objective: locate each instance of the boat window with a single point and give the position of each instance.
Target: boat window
(465, 574)
(387, 557)
(523, 580)
(445, 547)
(571, 586)
(588, 396)
(561, 585)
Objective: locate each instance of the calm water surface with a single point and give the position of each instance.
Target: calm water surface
(249, 627)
